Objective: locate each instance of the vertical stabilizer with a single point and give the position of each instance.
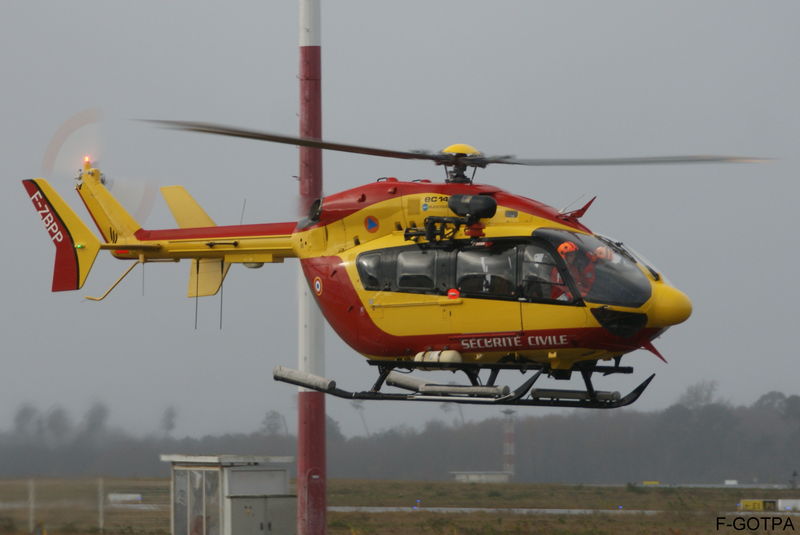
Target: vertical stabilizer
(76, 246)
(112, 220)
(206, 276)
(186, 211)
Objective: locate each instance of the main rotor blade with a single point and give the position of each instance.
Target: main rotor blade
(222, 130)
(477, 160)
(643, 160)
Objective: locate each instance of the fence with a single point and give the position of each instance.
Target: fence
(85, 505)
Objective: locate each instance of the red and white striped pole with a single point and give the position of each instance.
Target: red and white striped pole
(311, 471)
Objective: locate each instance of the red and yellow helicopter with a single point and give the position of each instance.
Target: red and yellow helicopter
(416, 275)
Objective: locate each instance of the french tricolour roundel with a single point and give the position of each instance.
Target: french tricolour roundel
(317, 286)
(371, 223)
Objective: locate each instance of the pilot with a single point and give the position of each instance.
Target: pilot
(560, 290)
(581, 266)
(602, 252)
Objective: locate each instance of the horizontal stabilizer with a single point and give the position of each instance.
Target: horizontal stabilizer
(126, 247)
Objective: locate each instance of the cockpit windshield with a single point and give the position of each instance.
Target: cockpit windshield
(602, 271)
(635, 255)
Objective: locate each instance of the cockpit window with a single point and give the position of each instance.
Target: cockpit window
(602, 271)
(487, 271)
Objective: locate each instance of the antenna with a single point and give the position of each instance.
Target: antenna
(222, 267)
(222, 287)
(564, 210)
(196, 290)
(244, 205)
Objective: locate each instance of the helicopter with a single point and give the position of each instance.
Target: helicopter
(416, 275)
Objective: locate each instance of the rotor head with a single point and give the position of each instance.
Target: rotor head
(461, 149)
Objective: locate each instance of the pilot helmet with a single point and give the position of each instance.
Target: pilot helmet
(566, 248)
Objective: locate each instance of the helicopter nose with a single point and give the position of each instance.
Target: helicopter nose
(670, 306)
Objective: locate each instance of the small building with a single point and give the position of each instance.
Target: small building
(231, 494)
(482, 477)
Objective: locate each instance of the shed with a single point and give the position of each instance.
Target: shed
(231, 494)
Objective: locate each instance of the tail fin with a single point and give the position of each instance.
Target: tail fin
(112, 220)
(76, 246)
(206, 275)
(186, 211)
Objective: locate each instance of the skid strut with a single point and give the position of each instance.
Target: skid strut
(417, 389)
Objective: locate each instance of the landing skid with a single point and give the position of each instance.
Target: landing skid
(488, 393)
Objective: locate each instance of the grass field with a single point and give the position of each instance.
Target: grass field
(71, 507)
(681, 511)
(539, 496)
(491, 524)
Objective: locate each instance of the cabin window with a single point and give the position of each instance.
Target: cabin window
(525, 269)
(487, 271)
(416, 270)
(540, 278)
(369, 269)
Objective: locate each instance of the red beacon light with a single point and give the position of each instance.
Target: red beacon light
(453, 293)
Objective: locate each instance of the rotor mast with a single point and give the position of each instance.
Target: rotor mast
(311, 462)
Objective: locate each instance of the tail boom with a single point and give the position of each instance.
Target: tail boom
(268, 242)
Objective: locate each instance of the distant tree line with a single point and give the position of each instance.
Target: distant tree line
(51, 444)
(699, 439)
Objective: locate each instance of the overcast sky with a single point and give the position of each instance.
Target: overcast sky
(529, 78)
